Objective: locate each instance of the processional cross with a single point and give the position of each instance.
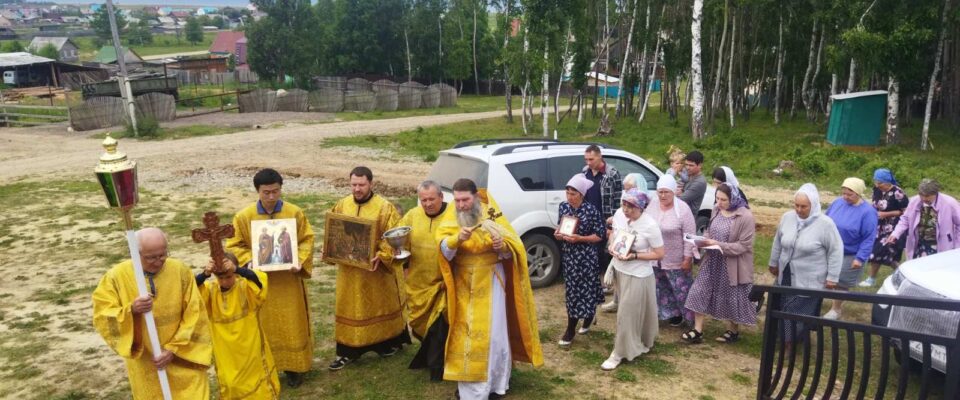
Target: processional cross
(213, 232)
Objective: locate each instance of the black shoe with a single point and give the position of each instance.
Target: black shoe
(494, 396)
(294, 379)
(339, 363)
(676, 321)
(390, 352)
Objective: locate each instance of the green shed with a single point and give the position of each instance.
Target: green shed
(857, 119)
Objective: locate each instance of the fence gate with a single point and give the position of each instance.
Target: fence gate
(809, 366)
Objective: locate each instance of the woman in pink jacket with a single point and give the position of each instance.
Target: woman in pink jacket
(932, 222)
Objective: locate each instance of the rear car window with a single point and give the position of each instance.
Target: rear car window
(530, 175)
(562, 169)
(626, 167)
(450, 167)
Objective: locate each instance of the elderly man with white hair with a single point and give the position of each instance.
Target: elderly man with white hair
(182, 325)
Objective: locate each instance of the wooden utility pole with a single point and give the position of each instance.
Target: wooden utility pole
(125, 91)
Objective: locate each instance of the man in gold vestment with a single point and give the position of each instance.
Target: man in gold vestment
(245, 367)
(493, 319)
(423, 283)
(285, 316)
(182, 325)
(367, 311)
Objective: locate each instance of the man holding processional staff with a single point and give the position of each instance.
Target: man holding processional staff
(147, 308)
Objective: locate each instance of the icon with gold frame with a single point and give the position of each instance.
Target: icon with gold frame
(349, 240)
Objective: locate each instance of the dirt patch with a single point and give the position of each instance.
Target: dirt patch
(253, 120)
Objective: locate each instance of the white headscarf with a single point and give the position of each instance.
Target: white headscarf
(668, 182)
(731, 178)
(638, 181)
(810, 191)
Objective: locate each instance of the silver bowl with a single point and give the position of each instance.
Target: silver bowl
(399, 239)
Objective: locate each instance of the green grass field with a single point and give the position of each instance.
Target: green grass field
(753, 149)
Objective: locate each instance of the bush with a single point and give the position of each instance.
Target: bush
(813, 163)
(146, 127)
(851, 162)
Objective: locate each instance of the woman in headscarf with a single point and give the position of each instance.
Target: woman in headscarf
(807, 253)
(580, 257)
(724, 174)
(631, 181)
(722, 287)
(857, 222)
(637, 325)
(931, 222)
(674, 274)
(890, 203)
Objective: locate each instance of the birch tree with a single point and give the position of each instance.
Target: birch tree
(925, 139)
(624, 66)
(696, 75)
(733, 41)
(780, 56)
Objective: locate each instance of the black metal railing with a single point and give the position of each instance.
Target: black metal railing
(831, 343)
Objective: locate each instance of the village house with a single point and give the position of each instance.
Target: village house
(69, 52)
(229, 43)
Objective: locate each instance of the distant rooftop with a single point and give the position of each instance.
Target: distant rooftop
(21, 58)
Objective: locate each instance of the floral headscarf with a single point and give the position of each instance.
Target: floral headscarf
(636, 198)
(736, 201)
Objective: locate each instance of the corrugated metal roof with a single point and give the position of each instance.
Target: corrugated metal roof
(40, 41)
(21, 58)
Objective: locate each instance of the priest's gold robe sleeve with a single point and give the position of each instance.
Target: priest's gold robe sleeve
(239, 244)
(191, 341)
(304, 244)
(257, 295)
(114, 320)
(388, 219)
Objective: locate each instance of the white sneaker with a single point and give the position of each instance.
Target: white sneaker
(869, 282)
(610, 307)
(611, 364)
(583, 331)
(564, 343)
(832, 314)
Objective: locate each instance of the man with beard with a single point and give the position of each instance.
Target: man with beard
(493, 320)
(426, 299)
(368, 314)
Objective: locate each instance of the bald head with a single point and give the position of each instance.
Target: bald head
(153, 248)
(151, 236)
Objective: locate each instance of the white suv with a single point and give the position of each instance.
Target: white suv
(528, 179)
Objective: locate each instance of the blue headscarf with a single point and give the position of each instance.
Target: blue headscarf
(884, 175)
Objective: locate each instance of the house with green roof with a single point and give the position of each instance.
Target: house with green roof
(108, 56)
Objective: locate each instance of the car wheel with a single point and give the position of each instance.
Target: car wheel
(543, 259)
(702, 222)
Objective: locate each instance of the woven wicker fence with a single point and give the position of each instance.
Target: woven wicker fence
(156, 106)
(292, 100)
(97, 113)
(258, 100)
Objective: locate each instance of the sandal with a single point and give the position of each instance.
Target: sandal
(693, 336)
(729, 337)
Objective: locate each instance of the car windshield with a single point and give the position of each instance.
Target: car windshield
(450, 167)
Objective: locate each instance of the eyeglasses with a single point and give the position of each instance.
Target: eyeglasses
(155, 258)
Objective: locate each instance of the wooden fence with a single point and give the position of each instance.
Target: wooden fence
(22, 115)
